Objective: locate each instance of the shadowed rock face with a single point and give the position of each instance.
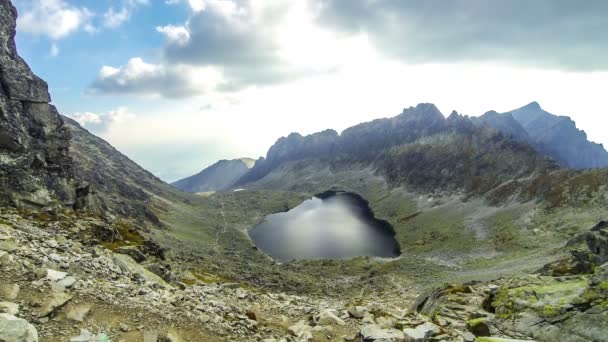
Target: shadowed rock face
(35, 166)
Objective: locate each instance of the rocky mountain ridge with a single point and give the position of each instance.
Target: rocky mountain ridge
(420, 148)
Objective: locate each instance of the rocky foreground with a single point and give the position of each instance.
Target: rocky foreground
(60, 283)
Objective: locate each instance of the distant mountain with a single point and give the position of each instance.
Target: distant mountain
(419, 148)
(219, 176)
(558, 137)
(552, 135)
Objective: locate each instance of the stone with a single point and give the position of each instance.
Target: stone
(357, 312)
(16, 329)
(54, 302)
(9, 291)
(67, 282)
(9, 308)
(53, 275)
(414, 335)
(5, 258)
(133, 252)
(77, 312)
(85, 336)
(328, 317)
(9, 245)
(373, 332)
(240, 293)
(130, 266)
(421, 333)
(301, 330)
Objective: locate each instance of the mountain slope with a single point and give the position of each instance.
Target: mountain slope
(558, 137)
(110, 182)
(219, 176)
(419, 148)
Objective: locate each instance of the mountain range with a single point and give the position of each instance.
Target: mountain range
(556, 137)
(500, 221)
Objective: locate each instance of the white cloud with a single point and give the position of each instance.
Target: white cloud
(55, 19)
(175, 34)
(141, 78)
(102, 122)
(113, 18)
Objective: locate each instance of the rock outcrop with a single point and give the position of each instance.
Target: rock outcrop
(35, 165)
(217, 177)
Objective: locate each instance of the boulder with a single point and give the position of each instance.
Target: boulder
(357, 312)
(328, 317)
(301, 330)
(130, 266)
(54, 302)
(373, 332)
(13, 329)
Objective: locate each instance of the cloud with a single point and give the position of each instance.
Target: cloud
(177, 35)
(240, 38)
(113, 18)
(546, 33)
(55, 19)
(99, 123)
(139, 77)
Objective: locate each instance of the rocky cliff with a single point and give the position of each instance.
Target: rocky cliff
(559, 138)
(217, 177)
(35, 165)
(419, 148)
(50, 162)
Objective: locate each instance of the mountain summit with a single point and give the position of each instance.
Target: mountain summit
(553, 135)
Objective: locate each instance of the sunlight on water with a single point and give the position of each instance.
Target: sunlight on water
(336, 227)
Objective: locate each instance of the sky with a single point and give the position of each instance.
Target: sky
(179, 84)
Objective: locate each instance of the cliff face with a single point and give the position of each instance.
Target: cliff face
(35, 165)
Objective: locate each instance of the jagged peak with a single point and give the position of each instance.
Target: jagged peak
(532, 106)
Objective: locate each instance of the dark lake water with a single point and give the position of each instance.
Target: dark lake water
(332, 225)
